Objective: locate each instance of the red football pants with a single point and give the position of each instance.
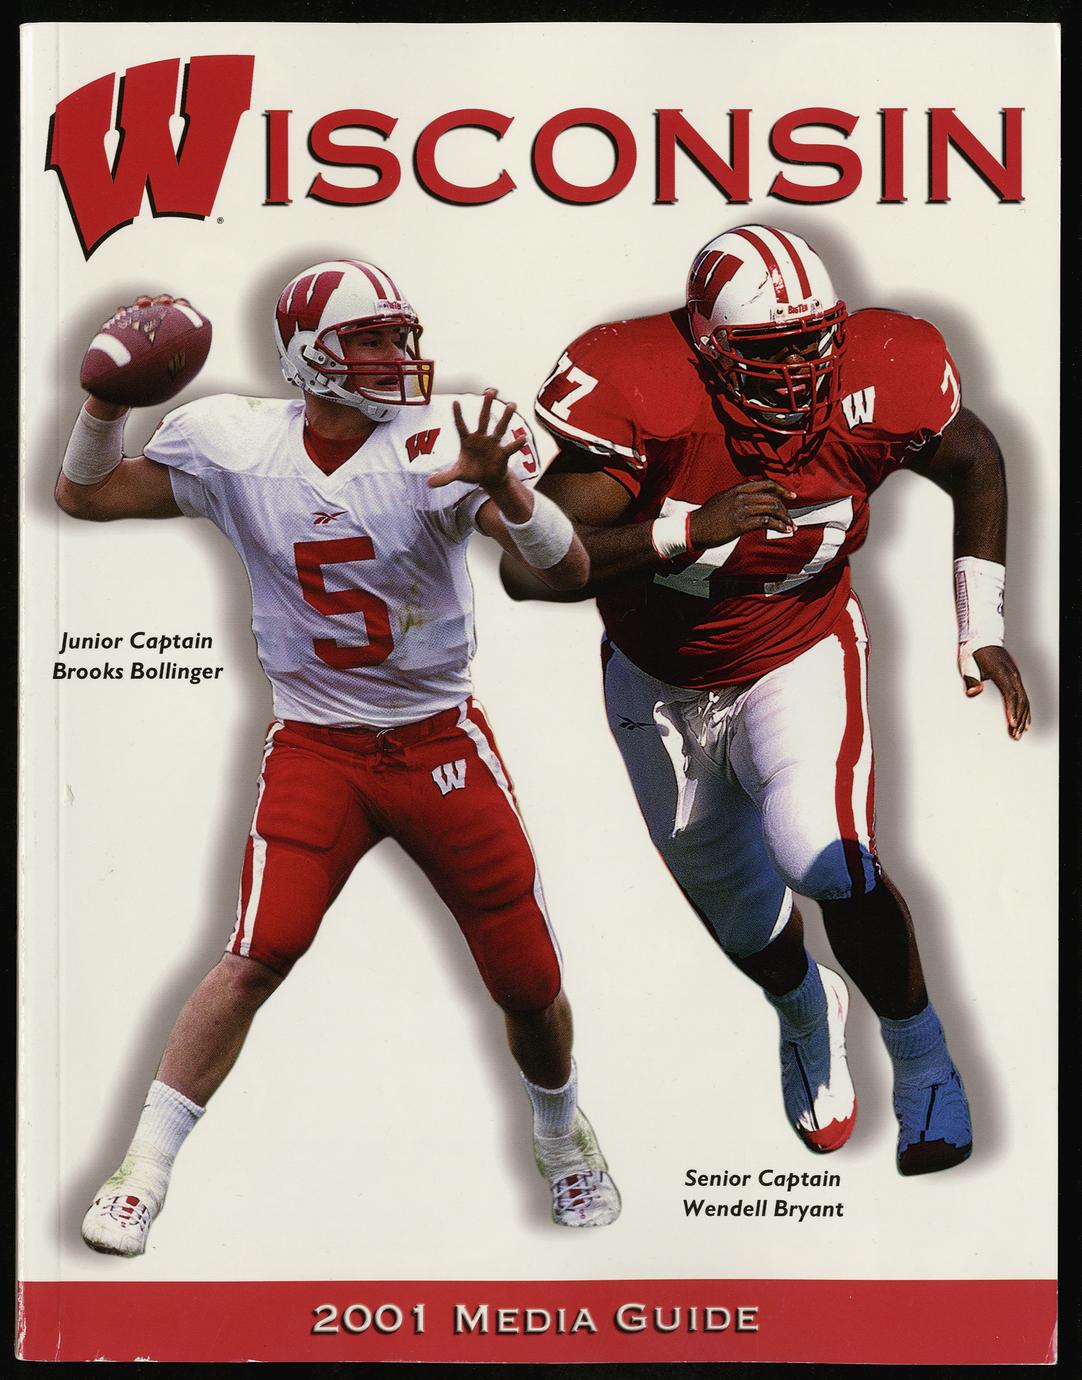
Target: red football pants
(439, 787)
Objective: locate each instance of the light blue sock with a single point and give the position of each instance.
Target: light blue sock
(918, 1048)
(803, 1009)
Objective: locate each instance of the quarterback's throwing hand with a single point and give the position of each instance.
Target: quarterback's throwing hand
(997, 665)
(483, 455)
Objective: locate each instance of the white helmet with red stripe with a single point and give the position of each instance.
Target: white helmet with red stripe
(765, 316)
(316, 314)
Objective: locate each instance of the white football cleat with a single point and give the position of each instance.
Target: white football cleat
(816, 1086)
(119, 1219)
(583, 1194)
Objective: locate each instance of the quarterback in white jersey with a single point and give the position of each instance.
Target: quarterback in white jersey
(351, 508)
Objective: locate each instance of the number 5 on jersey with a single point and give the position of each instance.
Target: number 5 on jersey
(310, 557)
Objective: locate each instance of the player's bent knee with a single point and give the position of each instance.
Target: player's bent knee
(250, 980)
(517, 960)
(842, 869)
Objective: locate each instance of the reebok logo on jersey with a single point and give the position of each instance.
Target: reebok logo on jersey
(451, 776)
(321, 518)
(421, 443)
(859, 407)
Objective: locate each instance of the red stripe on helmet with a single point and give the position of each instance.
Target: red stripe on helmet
(371, 272)
(772, 265)
(801, 272)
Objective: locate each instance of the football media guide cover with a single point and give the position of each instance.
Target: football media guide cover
(362, 1185)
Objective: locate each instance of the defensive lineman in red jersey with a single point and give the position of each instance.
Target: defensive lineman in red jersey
(718, 460)
(366, 634)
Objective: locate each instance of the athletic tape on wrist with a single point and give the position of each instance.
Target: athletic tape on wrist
(545, 538)
(671, 535)
(95, 448)
(978, 601)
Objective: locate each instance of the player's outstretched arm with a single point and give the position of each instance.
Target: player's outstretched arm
(97, 482)
(597, 503)
(968, 464)
(529, 527)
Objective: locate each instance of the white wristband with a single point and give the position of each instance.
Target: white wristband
(95, 448)
(978, 601)
(671, 535)
(545, 538)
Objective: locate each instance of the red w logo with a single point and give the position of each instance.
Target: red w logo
(421, 443)
(708, 277)
(302, 308)
(216, 91)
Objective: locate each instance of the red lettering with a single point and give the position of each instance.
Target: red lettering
(893, 184)
(432, 180)
(732, 180)
(946, 131)
(845, 160)
(277, 157)
(382, 161)
(182, 182)
(619, 135)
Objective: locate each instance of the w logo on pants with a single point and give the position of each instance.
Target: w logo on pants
(451, 776)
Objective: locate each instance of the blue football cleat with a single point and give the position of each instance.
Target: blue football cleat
(934, 1130)
(816, 1086)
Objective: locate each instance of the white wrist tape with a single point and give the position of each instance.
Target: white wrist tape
(978, 601)
(95, 449)
(545, 538)
(671, 535)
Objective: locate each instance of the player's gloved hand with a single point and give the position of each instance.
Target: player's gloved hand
(758, 504)
(483, 454)
(997, 665)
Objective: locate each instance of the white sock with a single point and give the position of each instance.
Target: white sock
(164, 1123)
(553, 1108)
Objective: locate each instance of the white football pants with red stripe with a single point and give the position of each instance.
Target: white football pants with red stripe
(755, 790)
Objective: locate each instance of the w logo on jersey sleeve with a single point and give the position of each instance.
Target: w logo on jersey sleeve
(451, 776)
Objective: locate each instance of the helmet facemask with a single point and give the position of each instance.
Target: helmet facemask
(383, 383)
(785, 378)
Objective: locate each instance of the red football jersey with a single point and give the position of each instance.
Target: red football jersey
(635, 394)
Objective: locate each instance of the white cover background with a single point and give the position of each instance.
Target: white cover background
(374, 1127)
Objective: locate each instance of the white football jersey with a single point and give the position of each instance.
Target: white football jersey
(362, 606)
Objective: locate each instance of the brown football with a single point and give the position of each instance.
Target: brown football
(146, 355)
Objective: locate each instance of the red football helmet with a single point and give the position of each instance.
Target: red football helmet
(316, 314)
(765, 316)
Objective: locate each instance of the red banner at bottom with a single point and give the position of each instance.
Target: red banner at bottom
(940, 1322)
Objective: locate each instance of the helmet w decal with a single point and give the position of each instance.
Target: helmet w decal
(318, 311)
(765, 316)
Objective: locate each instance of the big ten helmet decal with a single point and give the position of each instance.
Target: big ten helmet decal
(318, 312)
(764, 315)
